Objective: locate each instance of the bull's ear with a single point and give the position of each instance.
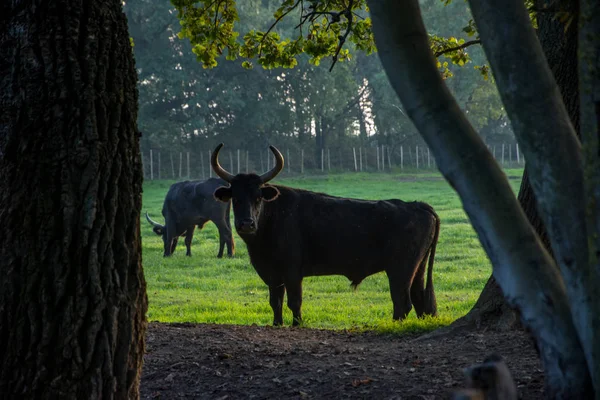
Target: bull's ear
(269, 193)
(223, 193)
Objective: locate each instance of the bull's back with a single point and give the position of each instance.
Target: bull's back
(350, 237)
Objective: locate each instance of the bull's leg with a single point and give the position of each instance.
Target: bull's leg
(276, 299)
(225, 238)
(294, 300)
(417, 289)
(222, 240)
(189, 234)
(400, 291)
(171, 239)
(174, 244)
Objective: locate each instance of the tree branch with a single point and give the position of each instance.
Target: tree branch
(275, 23)
(451, 49)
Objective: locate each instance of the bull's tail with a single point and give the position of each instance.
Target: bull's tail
(156, 227)
(430, 302)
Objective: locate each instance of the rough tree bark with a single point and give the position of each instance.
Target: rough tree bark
(527, 273)
(560, 47)
(72, 291)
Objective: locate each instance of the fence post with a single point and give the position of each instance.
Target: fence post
(188, 165)
(328, 160)
(509, 153)
(151, 167)
(382, 158)
(401, 157)
(389, 158)
(366, 161)
(262, 166)
(238, 160)
(377, 148)
(172, 165)
(417, 154)
(246, 161)
(322, 169)
(209, 166)
(202, 163)
(180, 163)
(159, 167)
(503, 154)
(360, 157)
(518, 156)
(428, 159)
(354, 153)
(302, 162)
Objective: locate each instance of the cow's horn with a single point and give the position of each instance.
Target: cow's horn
(267, 176)
(153, 223)
(214, 162)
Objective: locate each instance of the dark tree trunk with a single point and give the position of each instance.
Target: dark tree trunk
(72, 291)
(560, 47)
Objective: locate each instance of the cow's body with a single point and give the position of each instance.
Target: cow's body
(292, 233)
(189, 204)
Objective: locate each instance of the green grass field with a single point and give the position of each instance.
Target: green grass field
(204, 289)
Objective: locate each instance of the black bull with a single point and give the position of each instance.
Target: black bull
(293, 233)
(192, 203)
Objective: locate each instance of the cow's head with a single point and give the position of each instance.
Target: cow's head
(247, 192)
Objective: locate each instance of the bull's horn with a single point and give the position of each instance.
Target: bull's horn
(214, 162)
(267, 176)
(153, 223)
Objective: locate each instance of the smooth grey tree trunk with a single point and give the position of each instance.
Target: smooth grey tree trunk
(589, 37)
(541, 123)
(559, 43)
(72, 291)
(526, 272)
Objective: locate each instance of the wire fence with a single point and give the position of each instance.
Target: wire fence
(165, 164)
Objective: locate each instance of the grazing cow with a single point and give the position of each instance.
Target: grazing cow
(293, 233)
(192, 203)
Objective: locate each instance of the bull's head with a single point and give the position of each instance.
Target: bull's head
(247, 192)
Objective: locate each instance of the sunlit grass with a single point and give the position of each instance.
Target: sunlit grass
(204, 289)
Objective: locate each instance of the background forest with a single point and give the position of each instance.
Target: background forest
(184, 107)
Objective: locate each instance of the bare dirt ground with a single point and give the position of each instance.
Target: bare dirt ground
(202, 361)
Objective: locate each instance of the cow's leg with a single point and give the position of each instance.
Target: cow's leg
(294, 299)
(417, 288)
(226, 239)
(400, 291)
(189, 234)
(170, 240)
(174, 244)
(276, 299)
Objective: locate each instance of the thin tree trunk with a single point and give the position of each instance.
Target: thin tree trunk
(528, 275)
(72, 291)
(541, 123)
(560, 47)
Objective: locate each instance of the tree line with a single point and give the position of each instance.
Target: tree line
(186, 107)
